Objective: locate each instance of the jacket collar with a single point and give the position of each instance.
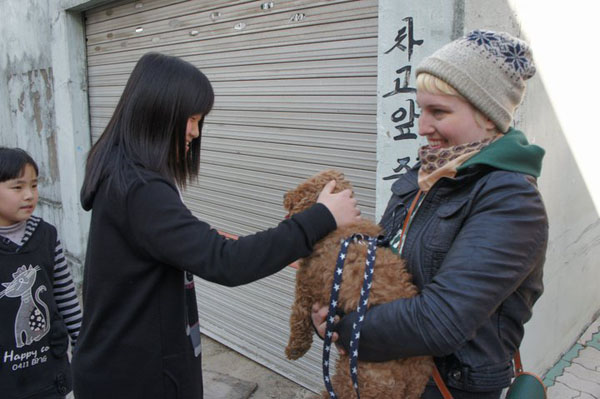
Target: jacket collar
(407, 182)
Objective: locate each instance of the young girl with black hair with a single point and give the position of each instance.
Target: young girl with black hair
(39, 308)
(140, 336)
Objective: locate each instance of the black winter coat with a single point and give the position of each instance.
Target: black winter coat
(476, 249)
(133, 341)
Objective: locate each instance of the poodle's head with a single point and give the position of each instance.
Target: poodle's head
(307, 193)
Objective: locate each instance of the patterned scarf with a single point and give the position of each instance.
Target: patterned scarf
(443, 162)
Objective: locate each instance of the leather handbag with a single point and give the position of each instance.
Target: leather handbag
(525, 385)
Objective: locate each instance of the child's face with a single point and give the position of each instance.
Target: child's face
(447, 121)
(18, 197)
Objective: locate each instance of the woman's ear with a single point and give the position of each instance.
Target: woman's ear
(488, 124)
(485, 122)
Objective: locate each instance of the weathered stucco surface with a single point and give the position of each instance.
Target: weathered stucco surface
(43, 109)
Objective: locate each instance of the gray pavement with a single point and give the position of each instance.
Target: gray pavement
(575, 376)
(229, 375)
(577, 373)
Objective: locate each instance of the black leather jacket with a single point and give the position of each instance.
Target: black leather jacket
(476, 249)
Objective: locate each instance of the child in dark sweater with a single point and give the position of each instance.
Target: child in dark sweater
(39, 308)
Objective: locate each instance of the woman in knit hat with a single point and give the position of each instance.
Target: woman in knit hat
(476, 239)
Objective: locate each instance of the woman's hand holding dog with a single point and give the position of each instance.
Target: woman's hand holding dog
(319, 316)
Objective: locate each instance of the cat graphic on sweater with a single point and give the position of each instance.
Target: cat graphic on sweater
(29, 320)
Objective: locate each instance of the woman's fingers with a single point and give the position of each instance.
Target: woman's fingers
(319, 320)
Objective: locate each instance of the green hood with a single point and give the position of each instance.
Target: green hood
(511, 152)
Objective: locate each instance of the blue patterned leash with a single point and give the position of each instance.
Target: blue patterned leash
(361, 309)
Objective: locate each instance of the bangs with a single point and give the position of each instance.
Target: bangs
(204, 98)
(13, 162)
(433, 85)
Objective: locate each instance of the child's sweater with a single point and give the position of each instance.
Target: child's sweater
(37, 306)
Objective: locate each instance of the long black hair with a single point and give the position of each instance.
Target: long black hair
(148, 126)
(13, 162)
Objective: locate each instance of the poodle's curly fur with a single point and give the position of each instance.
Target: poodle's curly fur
(401, 379)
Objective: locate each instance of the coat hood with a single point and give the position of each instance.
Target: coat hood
(511, 152)
(87, 199)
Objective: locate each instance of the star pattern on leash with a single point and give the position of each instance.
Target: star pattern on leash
(361, 308)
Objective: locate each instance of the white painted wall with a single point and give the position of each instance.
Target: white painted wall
(558, 113)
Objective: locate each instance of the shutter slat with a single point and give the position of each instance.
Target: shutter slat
(108, 76)
(229, 120)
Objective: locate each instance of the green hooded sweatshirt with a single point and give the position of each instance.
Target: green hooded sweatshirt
(511, 152)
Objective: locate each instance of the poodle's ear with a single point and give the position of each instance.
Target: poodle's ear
(340, 180)
(307, 192)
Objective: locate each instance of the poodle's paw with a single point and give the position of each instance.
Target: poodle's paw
(295, 352)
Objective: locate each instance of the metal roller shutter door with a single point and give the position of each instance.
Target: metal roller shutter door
(295, 86)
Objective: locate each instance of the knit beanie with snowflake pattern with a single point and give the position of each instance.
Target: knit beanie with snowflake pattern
(488, 68)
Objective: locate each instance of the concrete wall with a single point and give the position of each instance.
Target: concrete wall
(43, 108)
(557, 114)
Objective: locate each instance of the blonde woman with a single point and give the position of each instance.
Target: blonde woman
(476, 240)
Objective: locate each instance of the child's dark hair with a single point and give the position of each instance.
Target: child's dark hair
(149, 124)
(13, 162)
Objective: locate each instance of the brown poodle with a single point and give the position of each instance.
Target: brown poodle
(401, 379)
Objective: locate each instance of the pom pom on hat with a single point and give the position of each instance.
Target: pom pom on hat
(488, 68)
